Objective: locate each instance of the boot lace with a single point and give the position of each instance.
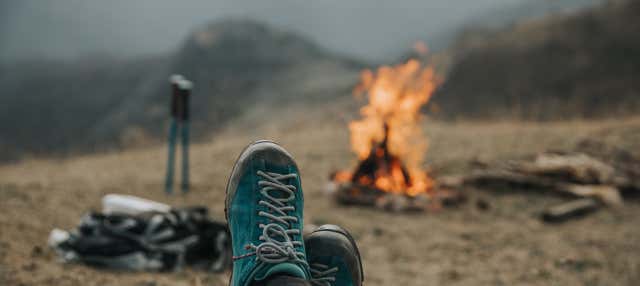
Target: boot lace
(278, 244)
(322, 275)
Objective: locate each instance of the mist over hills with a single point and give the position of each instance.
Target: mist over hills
(502, 17)
(92, 105)
(54, 105)
(567, 65)
(376, 31)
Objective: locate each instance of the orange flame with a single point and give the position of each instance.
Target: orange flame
(395, 96)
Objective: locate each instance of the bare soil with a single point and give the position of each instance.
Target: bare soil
(505, 244)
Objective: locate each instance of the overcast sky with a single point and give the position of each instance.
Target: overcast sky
(369, 29)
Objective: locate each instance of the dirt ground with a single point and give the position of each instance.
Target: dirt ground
(504, 245)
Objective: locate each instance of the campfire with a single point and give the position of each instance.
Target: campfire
(388, 140)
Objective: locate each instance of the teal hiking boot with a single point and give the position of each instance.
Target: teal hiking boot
(264, 207)
(333, 256)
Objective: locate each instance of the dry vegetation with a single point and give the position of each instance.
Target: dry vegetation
(504, 245)
(566, 66)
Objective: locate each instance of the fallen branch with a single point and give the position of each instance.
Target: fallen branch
(573, 167)
(571, 210)
(608, 195)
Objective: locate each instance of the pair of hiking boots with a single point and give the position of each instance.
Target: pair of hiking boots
(264, 210)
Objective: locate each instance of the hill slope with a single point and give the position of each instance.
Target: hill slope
(87, 105)
(504, 245)
(583, 65)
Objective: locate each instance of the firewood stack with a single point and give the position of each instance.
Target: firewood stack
(360, 189)
(593, 176)
(369, 196)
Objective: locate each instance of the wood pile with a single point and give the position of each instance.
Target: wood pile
(364, 195)
(592, 177)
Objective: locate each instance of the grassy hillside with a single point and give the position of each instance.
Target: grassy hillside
(506, 245)
(48, 106)
(94, 104)
(580, 65)
(577, 65)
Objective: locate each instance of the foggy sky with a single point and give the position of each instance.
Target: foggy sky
(368, 29)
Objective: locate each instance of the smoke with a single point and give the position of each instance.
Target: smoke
(368, 29)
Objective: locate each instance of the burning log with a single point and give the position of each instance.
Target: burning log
(355, 194)
(380, 160)
(364, 195)
(389, 143)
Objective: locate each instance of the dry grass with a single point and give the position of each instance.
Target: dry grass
(505, 245)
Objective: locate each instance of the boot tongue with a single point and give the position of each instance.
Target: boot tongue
(285, 268)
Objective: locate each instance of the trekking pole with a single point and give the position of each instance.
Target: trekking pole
(173, 130)
(185, 87)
